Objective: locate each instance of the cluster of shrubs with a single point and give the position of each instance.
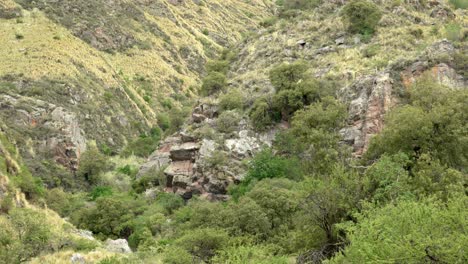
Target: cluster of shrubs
(215, 79)
(294, 89)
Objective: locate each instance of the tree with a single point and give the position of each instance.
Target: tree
(213, 82)
(361, 16)
(426, 231)
(92, 164)
(286, 76)
(203, 243)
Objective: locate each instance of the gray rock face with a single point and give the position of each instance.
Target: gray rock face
(185, 151)
(118, 246)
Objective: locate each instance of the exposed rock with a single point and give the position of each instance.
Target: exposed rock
(198, 118)
(179, 174)
(441, 72)
(156, 162)
(118, 246)
(442, 13)
(77, 258)
(340, 41)
(85, 234)
(369, 99)
(207, 148)
(186, 137)
(185, 151)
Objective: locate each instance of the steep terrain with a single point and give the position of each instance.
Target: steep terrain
(204, 131)
(75, 71)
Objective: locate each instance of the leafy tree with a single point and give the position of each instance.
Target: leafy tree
(228, 121)
(332, 200)
(362, 16)
(313, 136)
(221, 66)
(434, 122)
(24, 237)
(410, 232)
(203, 243)
(246, 218)
(92, 164)
(287, 76)
(213, 82)
(233, 100)
(262, 114)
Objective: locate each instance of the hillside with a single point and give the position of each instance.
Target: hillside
(183, 131)
(78, 71)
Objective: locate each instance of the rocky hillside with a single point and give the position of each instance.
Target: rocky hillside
(76, 71)
(371, 75)
(234, 131)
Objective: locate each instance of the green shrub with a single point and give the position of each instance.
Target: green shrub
(213, 82)
(144, 145)
(286, 76)
(203, 243)
(24, 236)
(92, 164)
(100, 191)
(221, 66)
(250, 254)
(233, 100)
(453, 32)
(228, 121)
(148, 180)
(409, 231)
(170, 201)
(262, 114)
(177, 255)
(361, 16)
(139, 237)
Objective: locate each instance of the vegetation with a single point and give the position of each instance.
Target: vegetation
(361, 16)
(303, 198)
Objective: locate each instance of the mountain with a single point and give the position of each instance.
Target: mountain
(234, 131)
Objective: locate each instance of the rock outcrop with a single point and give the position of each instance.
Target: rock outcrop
(118, 246)
(369, 98)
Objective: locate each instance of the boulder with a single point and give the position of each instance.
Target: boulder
(179, 174)
(243, 146)
(118, 246)
(185, 151)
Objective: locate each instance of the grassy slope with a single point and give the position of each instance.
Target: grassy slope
(394, 42)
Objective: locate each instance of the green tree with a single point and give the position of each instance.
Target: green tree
(287, 76)
(361, 16)
(428, 231)
(203, 243)
(92, 164)
(213, 82)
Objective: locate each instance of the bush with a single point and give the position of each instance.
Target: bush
(361, 16)
(100, 191)
(416, 232)
(262, 114)
(286, 76)
(144, 145)
(24, 236)
(177, 255)
(213, 83)
(233, 100)
(221, 66)
(170, 201)
(92, 164)
(228, 121)
(203, 243)
(249, 254)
